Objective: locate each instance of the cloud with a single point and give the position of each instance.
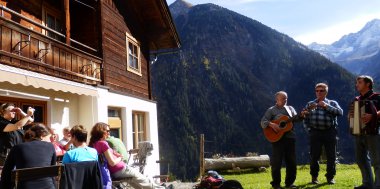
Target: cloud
(334, 32)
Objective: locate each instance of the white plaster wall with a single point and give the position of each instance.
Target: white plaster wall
(128, 105)
(68, 109)
(62, 108)
(87, 112)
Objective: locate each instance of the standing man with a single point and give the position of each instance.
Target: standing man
(321, 124)
(285, 147)
(11, 132)
(369, 141)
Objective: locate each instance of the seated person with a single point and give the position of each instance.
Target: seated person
(116, 165)
(81, 152)
(33, 153)
(118, 146)
(59, 150)
(66, 142)
(82, 171)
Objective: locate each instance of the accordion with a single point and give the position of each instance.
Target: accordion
(356, 111)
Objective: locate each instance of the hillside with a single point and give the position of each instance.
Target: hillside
(223, 79)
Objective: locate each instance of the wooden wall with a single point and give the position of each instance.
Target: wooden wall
(116, 17)
(115, 24)
(61, 60)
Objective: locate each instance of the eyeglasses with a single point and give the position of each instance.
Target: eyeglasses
(320, 91)
(108, 131)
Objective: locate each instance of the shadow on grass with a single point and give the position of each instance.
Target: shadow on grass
(311, 186)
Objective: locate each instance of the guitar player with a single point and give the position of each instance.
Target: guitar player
(285, 147)
(368, 143)
(321, 124)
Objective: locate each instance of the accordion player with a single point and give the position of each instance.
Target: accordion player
(356, 111)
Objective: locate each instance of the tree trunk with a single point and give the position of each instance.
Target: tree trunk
(237, 163)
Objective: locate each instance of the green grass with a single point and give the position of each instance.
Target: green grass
(347, 176)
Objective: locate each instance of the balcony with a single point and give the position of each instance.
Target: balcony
(25, 48)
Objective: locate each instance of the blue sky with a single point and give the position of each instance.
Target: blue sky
(307, 21)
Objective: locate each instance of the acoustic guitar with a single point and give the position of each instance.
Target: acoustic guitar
(285, 123)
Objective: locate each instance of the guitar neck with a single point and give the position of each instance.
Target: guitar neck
(292, 118)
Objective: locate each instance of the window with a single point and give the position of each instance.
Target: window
(138, 128)
(114, 120)
(52, 19)
(133, 55)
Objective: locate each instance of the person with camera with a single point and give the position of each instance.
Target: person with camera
(11, 132)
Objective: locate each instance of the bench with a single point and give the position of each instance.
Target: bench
(163, 178)
(116, 183)
(19, 175)
(121, 182)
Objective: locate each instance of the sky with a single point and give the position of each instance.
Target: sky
(307, 21)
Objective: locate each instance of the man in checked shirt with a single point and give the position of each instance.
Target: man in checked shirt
(321, 124)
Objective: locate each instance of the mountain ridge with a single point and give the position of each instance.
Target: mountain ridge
(358, 52)
(180, 7)
(224, 78)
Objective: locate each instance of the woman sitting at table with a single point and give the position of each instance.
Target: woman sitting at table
(33, 153)
(116, 165)
(81, 152)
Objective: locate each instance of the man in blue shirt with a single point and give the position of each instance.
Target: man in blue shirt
(321, 124)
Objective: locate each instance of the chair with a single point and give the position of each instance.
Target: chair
(26, 174)
(139, 160)
(122, 182)
(163, 178)
(85, 174)
(59, 159)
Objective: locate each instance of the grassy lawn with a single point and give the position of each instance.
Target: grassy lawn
(347, 176)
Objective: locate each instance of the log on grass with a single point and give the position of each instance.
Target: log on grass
(240, 162)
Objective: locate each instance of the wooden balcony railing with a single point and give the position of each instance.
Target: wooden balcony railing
(25, 48)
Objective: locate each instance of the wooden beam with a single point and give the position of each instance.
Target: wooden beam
(202, 156)
(67, 18)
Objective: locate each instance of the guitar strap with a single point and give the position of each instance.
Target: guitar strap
(288, 110)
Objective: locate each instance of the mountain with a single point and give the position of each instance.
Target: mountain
(180, 7)
(358, 52)
(223, 79)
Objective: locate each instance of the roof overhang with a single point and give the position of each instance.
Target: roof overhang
(158, 24)
(28, 78)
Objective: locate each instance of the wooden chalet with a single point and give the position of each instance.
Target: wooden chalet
(85, 61)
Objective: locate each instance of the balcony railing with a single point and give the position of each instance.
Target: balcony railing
(28, 49)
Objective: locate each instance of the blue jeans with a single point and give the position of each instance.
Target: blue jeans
(367, 153)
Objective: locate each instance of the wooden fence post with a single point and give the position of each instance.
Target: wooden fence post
(202, 156)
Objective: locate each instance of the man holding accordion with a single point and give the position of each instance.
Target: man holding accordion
(364, 124)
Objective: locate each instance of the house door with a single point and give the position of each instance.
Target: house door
(39, 106)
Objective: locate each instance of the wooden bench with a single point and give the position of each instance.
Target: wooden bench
(121, 182)
(163, 178)
(116, 183)
(19, 175)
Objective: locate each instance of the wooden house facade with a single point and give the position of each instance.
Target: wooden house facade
(85, 61)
